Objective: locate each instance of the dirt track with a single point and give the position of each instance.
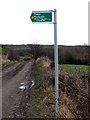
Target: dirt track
(12, 95)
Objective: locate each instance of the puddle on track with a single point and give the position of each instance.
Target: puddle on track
(22, 87)
(25, 85)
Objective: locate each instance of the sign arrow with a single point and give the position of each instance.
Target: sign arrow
(41, 17)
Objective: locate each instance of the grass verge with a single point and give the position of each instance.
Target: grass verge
(43, 93)
(7, 63)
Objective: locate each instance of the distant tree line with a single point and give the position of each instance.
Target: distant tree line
(66, 54)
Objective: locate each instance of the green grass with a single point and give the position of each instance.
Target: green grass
(24, 58)
(7, 62)
(75, 68)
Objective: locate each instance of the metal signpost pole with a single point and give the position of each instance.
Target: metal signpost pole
(56, 62)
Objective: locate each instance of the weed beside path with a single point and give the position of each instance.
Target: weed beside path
(73, 92)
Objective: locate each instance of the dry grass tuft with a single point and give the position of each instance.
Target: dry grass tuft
(67, 108)
(44, 61)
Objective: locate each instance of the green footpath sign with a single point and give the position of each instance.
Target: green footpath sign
(41, 17)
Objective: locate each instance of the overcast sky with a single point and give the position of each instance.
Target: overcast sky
(17, 28)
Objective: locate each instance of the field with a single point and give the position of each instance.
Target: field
(24, 58)
(70, 68)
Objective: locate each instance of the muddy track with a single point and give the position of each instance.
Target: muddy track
(11, 71)
(8, 66)
(14, 99)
